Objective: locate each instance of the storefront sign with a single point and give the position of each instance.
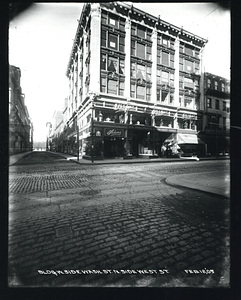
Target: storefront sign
(124, 107)
(114, 132)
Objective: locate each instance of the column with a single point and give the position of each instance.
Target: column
(176, 74)
(84, 65)
(95, 46)
(127, 91)
(154, 66)
(202, 71)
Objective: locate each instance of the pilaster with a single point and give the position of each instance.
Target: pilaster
(154, 65)
(202, 71)
(128, 58)
(176, 74)
(95, 45)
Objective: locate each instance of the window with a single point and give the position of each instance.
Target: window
(112, 21)
(141, 32)
(222, 87)
(224, 105)
(141, 51)
(209, 103)
(141, 91)
(140, 71)
(189, 66)
(215, 85)
(103, 38)
(209, 83)
(165, 77)
(112, 41)
(165, 58)
(113, 65)
(112, 86)
(164, 96)
(115, 42)
(217, 104)
(165, 41)
(103, 62)
(188, 83)
(188, 50)
(122, 44)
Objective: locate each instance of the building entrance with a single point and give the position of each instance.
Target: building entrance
(113, 147)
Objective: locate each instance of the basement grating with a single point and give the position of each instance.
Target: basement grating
(63, 231)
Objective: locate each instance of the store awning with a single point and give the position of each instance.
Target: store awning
(182, 138)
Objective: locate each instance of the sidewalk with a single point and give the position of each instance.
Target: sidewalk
(213, 182)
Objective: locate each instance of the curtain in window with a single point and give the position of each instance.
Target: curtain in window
(112, 65)
(141, 72)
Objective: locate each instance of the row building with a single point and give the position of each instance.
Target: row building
(136, 86)
(20, 124)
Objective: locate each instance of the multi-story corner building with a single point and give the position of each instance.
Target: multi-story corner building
(135, 81)
(20, 125)
(216, 114)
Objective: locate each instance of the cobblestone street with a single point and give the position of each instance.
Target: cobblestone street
(114, 225)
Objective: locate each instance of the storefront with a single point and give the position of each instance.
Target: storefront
(184, 145)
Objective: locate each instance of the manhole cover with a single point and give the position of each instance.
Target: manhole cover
(89, 192)
(63, 231)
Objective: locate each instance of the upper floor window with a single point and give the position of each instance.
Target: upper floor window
(222, 87)
(217, 104)
(141, 31)
(112, 64)
(140, 71)
(209, 103)
(188, 66)
(141, 50)
(216, 85)
(164, 77)
(224, 105)
(188, 50)
(141, 91)
(112, 41)
(208, 83)
(165, 41)
(188, 83)
(165, 58)
(112, 20)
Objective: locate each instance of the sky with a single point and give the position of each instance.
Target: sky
(41, 39)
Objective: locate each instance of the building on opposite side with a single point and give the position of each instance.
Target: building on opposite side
(216, 114)
(20, 124)
(136, 82)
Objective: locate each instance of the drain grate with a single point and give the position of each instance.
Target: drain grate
(89, 192)
(63, 231)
